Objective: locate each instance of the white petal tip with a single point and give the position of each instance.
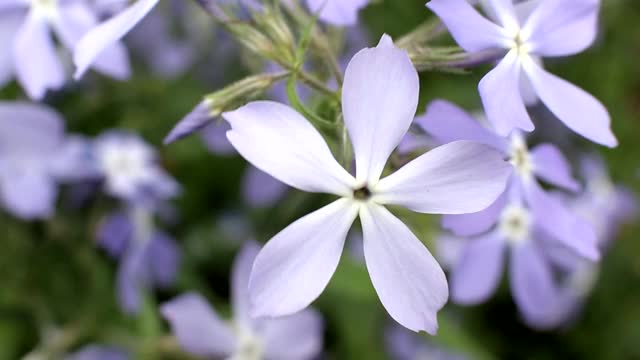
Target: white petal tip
(386, 40)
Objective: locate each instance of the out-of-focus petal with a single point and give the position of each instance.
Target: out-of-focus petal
(532, 284)
(379, 101)
(163, 258)
(550, 165)
(475, 223)
(74, 20)
(282, 143)
(240, 273)
(456, 178)
(476, 275)
(295, 266)
(472, 31)
(260, 189)
(447, 122)
(107, 34)
(562, 28)
(337, 12)
(10, 22)
(114, 233)
(133, 277)
(293, 337)
(576, 108)
(500, 93)
(38, 68)
(28, 195)
(97, 352)
(409, 282)
(198, 328)
(31, 129)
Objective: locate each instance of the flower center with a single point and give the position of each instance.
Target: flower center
(249, 346)
(362, 193)
(515, 223)
(520, 157)
(45, 8)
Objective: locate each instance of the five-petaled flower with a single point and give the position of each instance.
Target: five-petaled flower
(379, 100)
(554, 28)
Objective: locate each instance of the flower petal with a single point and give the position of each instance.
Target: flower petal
(409, 282)
(551, 166)
(296, 265)
(27, 128)
(555, 218)
(10, 22)
(74, 21)
(562, 28)
(447, 122)
(475, 223)
(500, 93)
(38, 68)
(240, 273)
(337, 12)
(577, 109)
(477, 273)
(164, 259)
(379, 101)
(532, 284)
(279, 141)
(196, 120)
(261, 190)
(470, 30)
(456, 178)
(293, 337)
(28, 195)
(197, 327)
(105, 35)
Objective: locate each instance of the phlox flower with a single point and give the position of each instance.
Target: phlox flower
(553, 28)
(379, 100)
(30, 53)
(148, 257)
(35, 156)
(200, 330)
(545, 162)
(130, 168)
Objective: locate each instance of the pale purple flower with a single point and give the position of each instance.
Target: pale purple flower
(544, 162)
(202, 332)
(554, 28)
(130, 168)
(337, 12)
(379, 100)
(35, 156)
(518, 237)
(98, 352)
(148, 257)
(31, 55)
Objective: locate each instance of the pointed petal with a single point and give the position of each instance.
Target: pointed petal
(197, 327)
(296, 265)
(196, 120)
(551, 166)
(470, 30)
(456, 178)
(28, 195)
(553, 216)
(576, 108)
(379, 101)
(408, 280)
(38, 68)
(447, 122)
(500, 93)
(532, 284)
(477, 273)
(279, 141)
(475, 223)
(107, 34)
(293, 337)
(74, 21)
(562, 28)
(240, 273)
